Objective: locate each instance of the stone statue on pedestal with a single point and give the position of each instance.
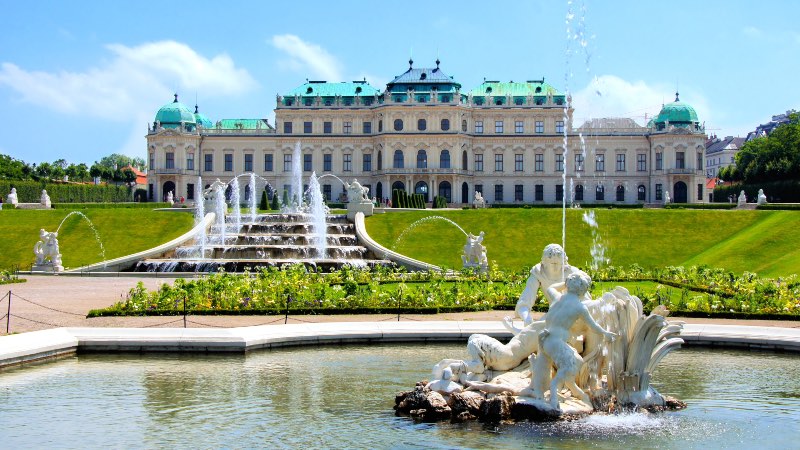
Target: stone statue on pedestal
(48, 255)
(742, 200)
(12, 199)
(762, 198)
(475, 253)
(45, 199)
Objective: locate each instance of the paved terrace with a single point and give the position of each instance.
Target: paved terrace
(48, 319)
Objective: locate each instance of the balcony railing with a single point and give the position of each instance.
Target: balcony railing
(164, 171)
(685, 172)
(420, 171)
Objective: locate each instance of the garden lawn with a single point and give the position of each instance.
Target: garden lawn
(121, 231)
(756, 241)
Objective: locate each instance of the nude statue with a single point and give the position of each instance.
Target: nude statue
(474, 252)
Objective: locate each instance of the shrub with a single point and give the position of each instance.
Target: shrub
(31, 192)
(263, 205)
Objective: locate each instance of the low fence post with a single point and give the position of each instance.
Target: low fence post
(184, 310)
(8, 315)
(398, 308)
(286, 317)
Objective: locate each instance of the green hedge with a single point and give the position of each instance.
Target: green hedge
(558, 205)
(700, 206)
(110, 205)
(31, 192)
(786, 191)
(780, 206)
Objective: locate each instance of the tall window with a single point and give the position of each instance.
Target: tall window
(600, 163)
(479, 162)
(444, 159)
(640, 192)
(699, 162)
(680, 160)
(287, 127)
(398, 159)
(380, 126)
(641, 162)
(268, 162)
(347, 162)
(539, 162)
(152, 161)
(478, 127)
(559, 162)
(559, 192)
(307, 166)
(538, 192)
(445, 124)
(659, 161)
(559, 126)
(170, 160)
(539, 126)
(380, 160)
(600, 193)
(422, 125)
(620, 162)
(229, 162)
(347, 127)
(464, 125)
(366, 163)
(327, 162)
(398, 125)
(209, 162)
(517, 192)
(519, 128)
(498, 192)
(367, 128)
(659, 192)
(579, 162)
(190, 161)
(518, 165)
(326, 192)
(498, 163)
(498, 126)
(422, 159)
(287, 163)
(700, 191)
(620, 193)
(308, 127)
(579, 193)
(190, 191)
(248, 162)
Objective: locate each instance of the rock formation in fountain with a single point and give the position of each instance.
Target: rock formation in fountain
(583, 356)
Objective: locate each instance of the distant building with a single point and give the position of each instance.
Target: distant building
(766, 128)
(425, 135)
(721, 153)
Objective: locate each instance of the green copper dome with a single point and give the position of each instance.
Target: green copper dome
(173, 114)
(202, 120)
(677, 113)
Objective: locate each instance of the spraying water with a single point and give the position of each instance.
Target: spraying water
(422, 221)
(252, 187)
(237, 210)
(200, 214)
(296, 199)
(221, 209)
(318, 212)
(91, 225)
(598, 249)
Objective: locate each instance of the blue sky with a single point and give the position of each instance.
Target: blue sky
(80, 80)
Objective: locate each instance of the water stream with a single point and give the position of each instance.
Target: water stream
(91, 225)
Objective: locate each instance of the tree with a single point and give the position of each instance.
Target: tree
(772, 157)
(128, 176)
(263, 205)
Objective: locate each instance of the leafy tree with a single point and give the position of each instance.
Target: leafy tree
(769, 158)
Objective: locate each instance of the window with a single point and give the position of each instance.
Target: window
(422, 124)
(327, 162)
(517, 192)
(347, 127)
(170, 160)
(380, 126)
(228, 162)
(464, 125)
(498, 126)
(445, 125)
(422, 159)
(347, 163)
(699, 163)
(152, 161)
(268, 162)
(444, 159)
(190, 191)
(326, 192)
(538, 192)
(680, 160)
(380, 160)
(150, 191)
(308, 128)
(579, 193)
(498, 163)
(700, 191)
(307, 166)
(287, 127)
(464, 163)
(559, 126)
(367, 128)
(559, 162)
(659, 192)
(559, 192)
(287, 163)
(398, 159)
(518, 165)
(327, 127)
(190, 161)
(498, 192)
(366, 163)
(209, 162)
(641, 162)
(539, 162)
(579, 162)
(600, 193)
(248, 162)
(659, 160)
(519, 127)
(620, 193)
(600, 163)
(640, 193)
(620, 162)
(479, 162)
(539, 126)
(478, 127)
(398, 125)
(479, 188)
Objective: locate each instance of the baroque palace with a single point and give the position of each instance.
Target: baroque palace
(426, 135)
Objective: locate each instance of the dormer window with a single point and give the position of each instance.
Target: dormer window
(489, 90)
(358, 90)
(423, 76)
(309, 90)
(538, 89)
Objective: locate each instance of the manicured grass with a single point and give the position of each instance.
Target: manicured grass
(756, 241)
(122, 231)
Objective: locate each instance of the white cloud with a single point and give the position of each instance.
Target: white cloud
(308, 58)
(129, 86)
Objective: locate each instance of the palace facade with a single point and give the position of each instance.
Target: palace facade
(423, 133)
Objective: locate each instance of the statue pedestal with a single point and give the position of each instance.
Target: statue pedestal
(352, 208)
(47, 267)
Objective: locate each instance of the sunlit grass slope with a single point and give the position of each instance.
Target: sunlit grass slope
(122, 231)
(756, 241)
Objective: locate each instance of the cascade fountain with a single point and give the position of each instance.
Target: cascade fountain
(318, 212)
(200, 214)
(252, 187)
(236, 205)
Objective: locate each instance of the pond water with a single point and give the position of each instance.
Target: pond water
(342, 397)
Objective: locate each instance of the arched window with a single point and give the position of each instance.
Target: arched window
(464, 192)
(464, 160)
(445, 124)
(379, 191)
(421, 188)
(247, 192)
(600, 193)
(422, 159)
(380, 160)
(446, 191)
(398, 186)
(422, 124)
(398, 159)
(620, 193)
(398, 124)
(464, 125)
(641, 191)
(579, 193)
(444, 159)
